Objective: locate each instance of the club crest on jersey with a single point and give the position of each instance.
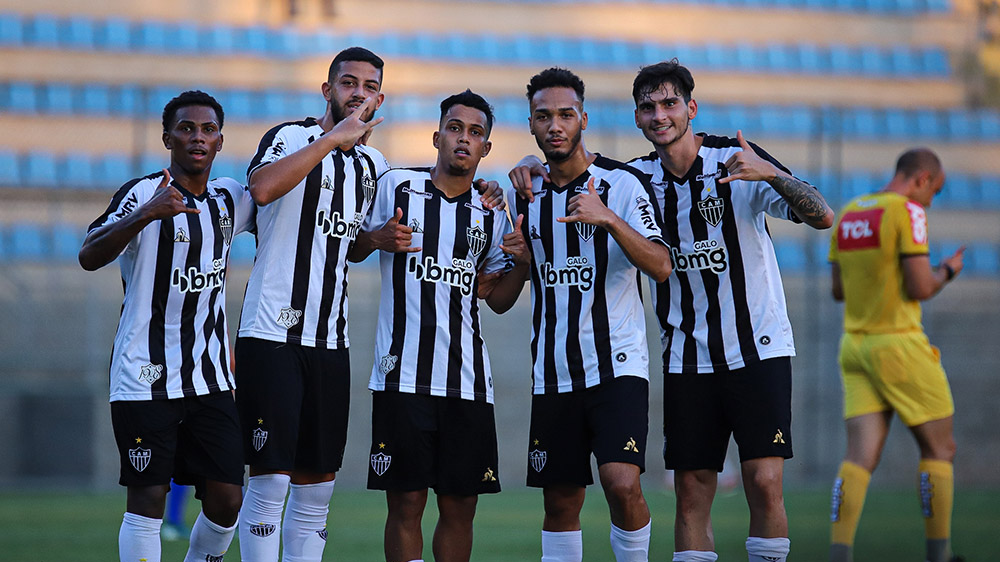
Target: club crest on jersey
(289, 317)
(477, 239)
(259, 437)
(537, 459)
(586, 231)
(263, 529)
(712, 209)
(226, 226)
(150, 373)
(368, 185)
(415, 225)
(381, 462)
(387, 363)
(139, 458)
(181, 236)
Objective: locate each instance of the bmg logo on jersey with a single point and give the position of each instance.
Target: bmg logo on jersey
(195, 281)
(578, 273)
(461, 274)
(334, 225)
(707, 254)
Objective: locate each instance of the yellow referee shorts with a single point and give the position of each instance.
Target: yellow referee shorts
(899, 372)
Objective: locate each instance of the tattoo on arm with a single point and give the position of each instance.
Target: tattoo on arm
(804, 199)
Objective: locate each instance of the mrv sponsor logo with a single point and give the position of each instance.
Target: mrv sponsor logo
(195, 281)
(335, 225)
(578, 273)
(707, 254)
(461, 273)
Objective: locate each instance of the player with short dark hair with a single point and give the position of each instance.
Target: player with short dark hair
(172, 407)
(724, 329)
(881, 271)
(432, 387)
(313, 184)
(591, 229)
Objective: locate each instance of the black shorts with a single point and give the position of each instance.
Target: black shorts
(701, 411)
(420, 442)
(610, 420)
(189, 439)
(294, 403)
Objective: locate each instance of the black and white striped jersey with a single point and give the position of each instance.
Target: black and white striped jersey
(172, 340)
(429, 337)
(297, 292)
(724, 306)
(588, 324)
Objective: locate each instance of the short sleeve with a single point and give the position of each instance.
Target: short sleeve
(496, 259)
(129, 197)
(638, 212)
(246, 209)
(381, 209)
(273, 146)
(913, 230)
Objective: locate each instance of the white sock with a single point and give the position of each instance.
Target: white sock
(304, 532)
(630, 546)
(260, 517)
(139, 539)
(209, 541)
(562, 546)
(767, 550)
(695, 556)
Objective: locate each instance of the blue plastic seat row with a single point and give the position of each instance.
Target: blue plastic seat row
(45, 31)
(896, 7)
(961, 190)
(797, 256)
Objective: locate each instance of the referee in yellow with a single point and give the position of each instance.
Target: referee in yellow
(881, 270)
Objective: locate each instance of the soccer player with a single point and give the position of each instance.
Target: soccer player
(591, 228)
(172, 406)
(881, 271)
(313, 184)
(724, 329)
(432, 401)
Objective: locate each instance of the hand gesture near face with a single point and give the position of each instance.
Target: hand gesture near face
(746, 165)
(515, 246)
(395, 237)
(588, 208)
(353, 128)
(167, 201)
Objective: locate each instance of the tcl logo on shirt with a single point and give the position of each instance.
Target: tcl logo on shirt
(918, 222)
(859, 230)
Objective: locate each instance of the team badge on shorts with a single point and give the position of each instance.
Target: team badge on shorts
(712, 209)
(537, 459)
(139, 458)
(477, 239)
(259, 438)
(150, 373)
(381, 462)
(289, 317)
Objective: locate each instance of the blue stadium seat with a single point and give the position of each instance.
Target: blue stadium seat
(983, 258)
(95, 99)
(57, 98)
(935, 62)
(76, 170)
(905, 61)
(899, 123)
(126, 100)
(115, 169)
(66, 241)
(182, 37)
(273, 104)
(78, 33)
(9, 174)
(252, 40)
(150, 36)
(114, 34)
(42, 30)
(11, 30)
(40, 170)
(791, 255)
(783, 58)
(238, 104)
(844, 59)
(21, 98)
(989, 191)
(243, 249)
(27, 241)
(283, 43)
(959, 125)
(218, 39)
(989, 124)
(814, 59)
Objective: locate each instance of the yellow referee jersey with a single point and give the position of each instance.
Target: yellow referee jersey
(871, 235)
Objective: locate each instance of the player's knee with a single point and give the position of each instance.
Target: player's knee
(765, 483)
(624, 491)
(944, 450)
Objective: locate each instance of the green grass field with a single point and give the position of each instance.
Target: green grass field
(37, 527)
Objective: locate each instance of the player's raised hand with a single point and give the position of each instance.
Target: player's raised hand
(520, 177)
(514, 244)
(955, 261)
(167, 201)
(395, 237)
(746, 165)
(352, 128)
(490, 194)
(588, 207)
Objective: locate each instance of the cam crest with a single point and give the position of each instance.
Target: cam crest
(139, 458)
(226, 226)
(368, 185)
(537, 459)
(289, 317)
(477, 239)
(387, 364)
(150, 373)
(712, 209)
(381, 462)
(259, 437)
(263, 529)
(586, 231)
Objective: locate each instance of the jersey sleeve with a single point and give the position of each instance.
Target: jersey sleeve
(246, 209)
(129, 197)
(912, 231)
(381, 209)
(381, 164)
(636, 209)
(764, 198)
(275, 145)
(496, 259)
